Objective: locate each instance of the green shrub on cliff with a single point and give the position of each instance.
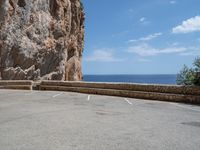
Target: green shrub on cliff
(190, 76)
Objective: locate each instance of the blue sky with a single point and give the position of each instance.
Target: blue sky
(140, 36)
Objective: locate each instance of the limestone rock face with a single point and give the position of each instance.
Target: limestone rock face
(41, 39)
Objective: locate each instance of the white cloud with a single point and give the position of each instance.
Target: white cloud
(103, 55)
(147, 50)
(175, 44)
(187, 26)
(190, 54)
(144, 60)
(173, 2)
(131, 10)
(192, 51)
(147, 38)
(122, 33)
(142, 19)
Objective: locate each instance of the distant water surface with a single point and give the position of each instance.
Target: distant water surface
(150, 79)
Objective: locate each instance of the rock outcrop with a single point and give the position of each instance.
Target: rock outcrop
(41, 39)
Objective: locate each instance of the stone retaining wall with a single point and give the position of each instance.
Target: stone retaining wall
(173, 93)
(18, 84)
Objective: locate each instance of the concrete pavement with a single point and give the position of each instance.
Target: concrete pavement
(43, 120)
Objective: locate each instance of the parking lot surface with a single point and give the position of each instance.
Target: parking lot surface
(42, 120)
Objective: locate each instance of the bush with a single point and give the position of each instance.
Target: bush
(190, 76)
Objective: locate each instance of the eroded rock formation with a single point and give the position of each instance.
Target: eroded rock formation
(41, 39)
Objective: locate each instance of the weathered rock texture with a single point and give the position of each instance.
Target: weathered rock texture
(41, 39)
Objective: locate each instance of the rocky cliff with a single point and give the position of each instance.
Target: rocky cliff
(41, 39)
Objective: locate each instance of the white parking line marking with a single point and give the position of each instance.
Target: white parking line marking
(88, 97)
(57, 95)
(128, 101)
(182, 106)
(29, 93)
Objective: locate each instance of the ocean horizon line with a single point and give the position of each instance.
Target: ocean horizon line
(133, 78)
(125, 74)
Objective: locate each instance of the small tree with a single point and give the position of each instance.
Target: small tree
(190, 76)
(197, 71)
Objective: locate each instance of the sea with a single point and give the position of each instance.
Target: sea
(148, 79)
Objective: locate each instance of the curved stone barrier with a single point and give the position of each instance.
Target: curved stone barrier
(173, 93)
(17, 84)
